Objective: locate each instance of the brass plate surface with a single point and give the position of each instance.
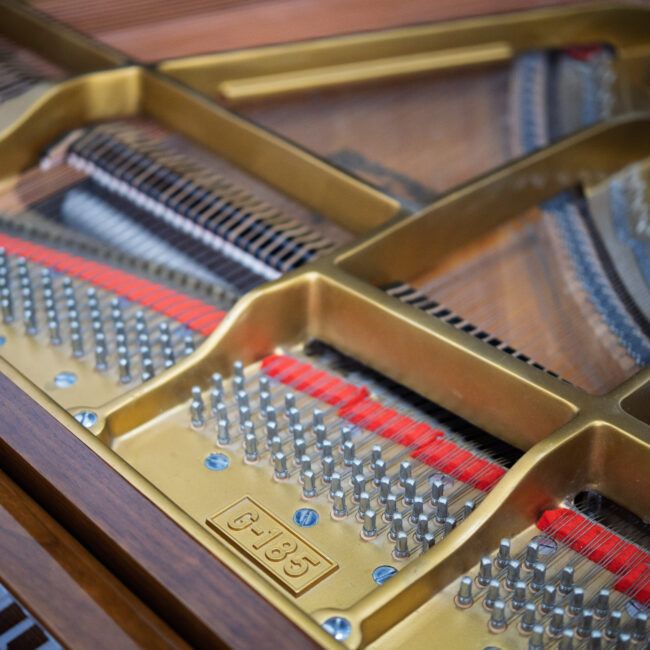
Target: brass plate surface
(286, 556)
(572, 440)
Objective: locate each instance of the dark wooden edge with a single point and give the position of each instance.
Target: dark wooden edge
(180, 580)
(72, 595)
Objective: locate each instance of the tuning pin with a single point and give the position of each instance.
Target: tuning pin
(329, 466)
(464, 597)
(536, 641)
(623, 641)
(169, 356)
(404, 472)
(601, 608)
(566, 640)
(54, 329)
(639, 628)
(124, 369)
(613, 624)
(223, 431)
(264, 402)
(299, 449)
(390, 508)
(238, 369)
(369, 524)
(101, 360)
(339, 508)
(271, 431)
(468, 508)
(289, 402)
(357, 467)
(421, 527)
(293, 416)
(576, 601)
(548, 598)
(417, 508)
(428, 540)
(396, 526)
(512, 573)
(327, 449)
(532, 553)
(305, 463)
(556, 625)
(498, 616)
(250, 447)
(539, 577)
(595, 640)
(566, 580)
(197, 408)
(503, 556)
(335, 484)
(375, 455)
(493, 594)
(585, 624)
(364, 503)
(309, 484)
(441, 510)
(528, 618)
(448, 526)
(217, 382)
(484, 571)
(77, 344)
(280, 465)
(437, 490)
(519, 595)
(320, 431)
(401, 549)
(384, 489)
(188, 345)
(358, 486)
(348, 452)
(379, 469)
(410, 487)
(346, 435)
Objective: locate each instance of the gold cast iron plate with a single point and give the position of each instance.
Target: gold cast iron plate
(290, 560)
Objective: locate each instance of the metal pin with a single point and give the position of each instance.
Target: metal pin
(101, 361)
(390, 508)
(601, 607)
(335, 483)
(519, 595)
(339, 509)
(271, 431)
(428, 541)
(556, 624)
(448, 526)
(147, 368)
(217, 382)
(357, 466)
(493, 594)
(422, 527)
(299, 449)
(223, 431)
(293, 416)
(327, 449)
(197, 408)
(539, 577)
(437, 490)
(329, 465)
(405, 470)
(289, 402)
(577, 600)
(379, 468)
(54, 330)
(498, 616)
(566, 640)
(639, 627)
(468, 508)
(401, 545)
(464, 596)
(369, 523)
(305, 463)
(348, 452)
(396, 526)
(417, 509)
(280, 465)
(346, 435)
(264, 384)
(384, 489)
(238, 369)
(566, 580)
(513, 573)
(548, 598)
(595, 640)
(320, 431)
(536, 641)
(358, 486)
(275, 445)
(308, 484)
(528, 618)
(375, 455)
(442, 510)
(613, 624)
(410, 487)
(484, 571)
(265, 401)
(532, 552)
(503, 556)
(364, 503)
(585, 624)
(188, 345)
(250, 447)
(623, 641)
(124, 370)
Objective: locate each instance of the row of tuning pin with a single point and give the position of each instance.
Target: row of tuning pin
(131, 332)
(550, 611)
(355, 473)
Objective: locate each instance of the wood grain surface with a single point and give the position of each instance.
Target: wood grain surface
(76, 598)
(179, 579)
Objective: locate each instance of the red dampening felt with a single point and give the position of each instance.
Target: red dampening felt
(629, 563)
(194, 314)
(429, 444)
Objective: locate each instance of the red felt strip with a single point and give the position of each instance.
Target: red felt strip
(603, 547)
(194, 314)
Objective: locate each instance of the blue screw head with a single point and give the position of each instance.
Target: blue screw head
(87, 418)
(338, 627)
(305, 517)
(217, 462)
(65, 379)
(3, 340)
(383, 573)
